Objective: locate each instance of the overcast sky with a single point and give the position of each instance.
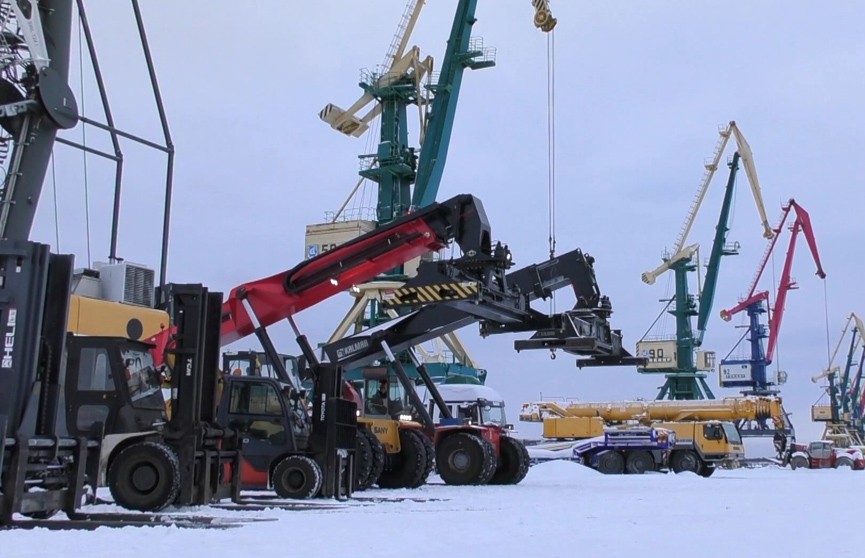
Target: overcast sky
(641, 88)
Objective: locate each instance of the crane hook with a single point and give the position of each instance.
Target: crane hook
(552, 354)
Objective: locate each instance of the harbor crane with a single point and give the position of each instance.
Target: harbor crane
(678, 358)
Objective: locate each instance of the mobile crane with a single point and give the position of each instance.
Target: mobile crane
(700, 446)
(751, 373)
(843, 415)
(679, 359)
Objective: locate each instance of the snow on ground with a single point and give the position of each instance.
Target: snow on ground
(559, 507)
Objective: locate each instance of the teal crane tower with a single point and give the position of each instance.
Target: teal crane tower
(680, 359)
(408, 177)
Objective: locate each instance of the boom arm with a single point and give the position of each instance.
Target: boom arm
(453, 303)
(35, 102)
(744, 151)
(434, 150)
(707, 297)
(802, 224)
(729, 408)
(266, 301)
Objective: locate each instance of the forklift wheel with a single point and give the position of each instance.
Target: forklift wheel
(430, 464)
(798, 462)
(514, 462)
(363, 460)
(491, 461)
(409, 465)
(378, 457)
(462, 458)
(145, 476)
(297, 477)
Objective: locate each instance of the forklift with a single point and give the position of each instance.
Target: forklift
(445, 296)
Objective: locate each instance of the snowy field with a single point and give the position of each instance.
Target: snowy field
(559, 508)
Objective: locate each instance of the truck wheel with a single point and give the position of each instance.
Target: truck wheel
(844, 462)
(639, 462)
(145, 477)
(297, 477)
(685, 460)
(462, 458)
(410, 464)
(798, 462)
(707, 470)
(514, 462)
(611, 463)
(362, 460)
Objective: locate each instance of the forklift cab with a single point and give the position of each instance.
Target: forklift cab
(112, 386)
(257, 363)
(270, 420)
(383, 395)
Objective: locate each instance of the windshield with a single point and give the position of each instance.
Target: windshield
(731, 433)
(142, 379)
(493, 414)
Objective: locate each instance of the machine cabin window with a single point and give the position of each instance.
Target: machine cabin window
(248, 398)
(94, 372)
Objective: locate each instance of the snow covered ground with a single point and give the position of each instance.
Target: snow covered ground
(560, 508)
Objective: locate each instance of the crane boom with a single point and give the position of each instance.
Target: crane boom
(434, 150)
(262, 303)
(747, 157)
(729, 408)
(707, 296)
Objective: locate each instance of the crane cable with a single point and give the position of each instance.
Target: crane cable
(551, 148)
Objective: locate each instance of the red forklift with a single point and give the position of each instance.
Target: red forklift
(824, 454)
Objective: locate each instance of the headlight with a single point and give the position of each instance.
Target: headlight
(357, 412)
(405, 417)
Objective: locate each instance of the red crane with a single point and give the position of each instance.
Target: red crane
(753, 302)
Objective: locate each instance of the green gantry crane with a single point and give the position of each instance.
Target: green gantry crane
(679, 358)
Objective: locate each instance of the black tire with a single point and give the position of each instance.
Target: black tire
(145, 477)
(362, 460)
(799, 462)
(463, 458)
(686, 460)
(378, 457)
(611, 463)
(514, 463)
(491, 459)
(297, 477)
(707, 470)
(639, 462)
(843, 462)
(409, 466)
(430, 464)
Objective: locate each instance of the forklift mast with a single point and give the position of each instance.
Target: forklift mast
(204, 449)
(33, 309)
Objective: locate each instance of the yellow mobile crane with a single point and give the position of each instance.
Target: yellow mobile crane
(706, 433)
